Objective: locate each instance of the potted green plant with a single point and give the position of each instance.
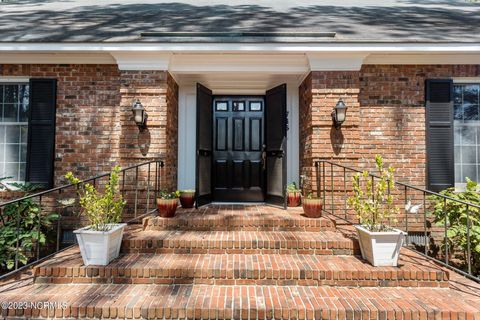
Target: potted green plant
(294, 195)
(167, 203)
(312, 206)
(100, 241)
(187, 198)
(373, 202)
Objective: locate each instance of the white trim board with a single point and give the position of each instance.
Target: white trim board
(384, 47)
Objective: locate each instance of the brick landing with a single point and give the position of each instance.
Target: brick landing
(255, 263)
(238, 217)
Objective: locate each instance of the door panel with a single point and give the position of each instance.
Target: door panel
(276, 144)
(204, 146)
(238, 140)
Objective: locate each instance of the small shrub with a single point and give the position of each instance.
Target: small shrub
(455, 214)
(292, 187)
(101, 209)
(165, 195)
(373, 201)
(26, 219)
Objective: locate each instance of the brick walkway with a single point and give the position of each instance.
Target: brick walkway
(294, 268)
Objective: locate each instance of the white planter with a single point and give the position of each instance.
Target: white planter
(100, 247)
(381, 249)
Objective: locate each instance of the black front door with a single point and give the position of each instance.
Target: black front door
(238, 145)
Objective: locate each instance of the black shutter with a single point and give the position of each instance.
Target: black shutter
(41, 132)
(439, 122)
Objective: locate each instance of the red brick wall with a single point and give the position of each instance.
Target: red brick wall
(95, 128)
(386, 116)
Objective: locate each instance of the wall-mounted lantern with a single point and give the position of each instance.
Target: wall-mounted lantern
(139, 115)
(339, 114)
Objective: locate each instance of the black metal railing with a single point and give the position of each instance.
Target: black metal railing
(36, 237)
(427, 233)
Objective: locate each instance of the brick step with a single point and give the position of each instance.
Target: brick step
(246, 242)
(239, 218)
(229, 269)
(125, 301)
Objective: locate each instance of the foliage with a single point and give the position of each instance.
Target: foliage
(165, 195)
(456, 214)
(292, 187)
(100, 209)
(187, 191)
(311, 196)
(373, 201)
(26, 219)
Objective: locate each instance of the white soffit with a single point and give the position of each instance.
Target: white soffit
(142, 60)
(56, 58)
(336, 62)
(431, 58)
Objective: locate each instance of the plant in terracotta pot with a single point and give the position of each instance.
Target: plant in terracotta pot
(187, 198)
(167, 203)
(294, 195)
(100, 241)
(374, 204)
(312, 206)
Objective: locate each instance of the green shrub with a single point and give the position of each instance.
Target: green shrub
(292, 187)
(165, 195)
(455, 214)
(101, 209)
(23, 218)
(373, 201)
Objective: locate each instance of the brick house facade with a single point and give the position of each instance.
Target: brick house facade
(386, 116)
(94, 126)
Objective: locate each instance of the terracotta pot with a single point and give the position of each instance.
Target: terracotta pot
(167, 207)
(187, 199)
(312, 207)
(293, 199)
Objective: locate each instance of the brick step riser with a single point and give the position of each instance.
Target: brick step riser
(236, 223)
(240, 282)
(282, 277)
(242, 246)
(176, 227)
(342, 252)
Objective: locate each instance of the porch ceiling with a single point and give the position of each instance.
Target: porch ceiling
(238, 83)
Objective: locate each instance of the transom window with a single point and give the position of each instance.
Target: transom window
(466, 132)
(14, 106)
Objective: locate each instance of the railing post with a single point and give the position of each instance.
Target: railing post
(136, 192)
(317, 174)
(406, 216)
(156, 178)
(332, 186)
(17, 246)
(148, 189)
(323, 185)
(469, 259)
(445, 231)
(345, 192)
(39, 226)
(427, 239)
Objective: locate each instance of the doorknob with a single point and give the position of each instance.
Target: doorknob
(264, 157)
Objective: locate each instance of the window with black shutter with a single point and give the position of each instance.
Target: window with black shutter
(41, 132)
(439, 122)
